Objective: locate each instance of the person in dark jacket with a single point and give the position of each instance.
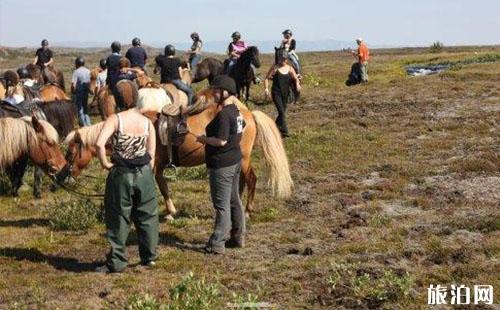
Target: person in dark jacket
(44, 56)
(223, 159)
(137, 54)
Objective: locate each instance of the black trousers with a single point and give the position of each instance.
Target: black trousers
(281, 101)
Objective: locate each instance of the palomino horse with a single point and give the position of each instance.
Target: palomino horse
(60, 114)
(24, 138)
(260, 129)
(242, 72)
(208, 68)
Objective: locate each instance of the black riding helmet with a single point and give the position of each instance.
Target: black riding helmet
(236, 35)
(224, 82)
(102, 63)
(116, 47)
(45, 42)
(79, 61)
(287, 31)
(136, 41)
(169, 50)
(195, 35)
(23, 73)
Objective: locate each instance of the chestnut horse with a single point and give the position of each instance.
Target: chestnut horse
(24, 138)
(3, 89)
(260, 129)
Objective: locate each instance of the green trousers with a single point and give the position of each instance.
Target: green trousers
(364, 71)
(131, 195)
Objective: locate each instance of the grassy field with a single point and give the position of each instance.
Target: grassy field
(397, 186)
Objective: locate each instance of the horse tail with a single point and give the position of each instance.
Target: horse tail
(276, 161)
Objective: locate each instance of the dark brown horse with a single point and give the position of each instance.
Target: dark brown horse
(242, 72)
(49, 75)
(208, 68)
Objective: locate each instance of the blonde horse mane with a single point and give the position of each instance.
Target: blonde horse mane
(18, 136)
(88, 134)
(152, 99)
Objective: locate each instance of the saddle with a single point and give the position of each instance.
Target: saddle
(172, 125)
(25, 108)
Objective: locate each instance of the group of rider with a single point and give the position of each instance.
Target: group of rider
(284, 74)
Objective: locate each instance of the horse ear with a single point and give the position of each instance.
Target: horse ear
(36, 124)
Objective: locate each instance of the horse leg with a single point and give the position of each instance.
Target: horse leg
(16, 172)
(247, 92)
(37, 184)
(163, 185)
(249, 178)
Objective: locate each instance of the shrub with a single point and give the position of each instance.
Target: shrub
(76, 215)
(192, 294)
(146, 302)
(436, 47)
(373, 286)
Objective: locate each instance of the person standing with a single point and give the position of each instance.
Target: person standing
(363, 56)
(137, 54)
(171, 70)
(195, 52)
(282, 75)
(130, 186)
(80, 83)
(44, 57)
(223, 159)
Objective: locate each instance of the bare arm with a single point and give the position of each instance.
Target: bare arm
(295, 77)
(211, 141)
(50, 62)
(35, 60)
(108, 129)
(269, 76)
(151, 147)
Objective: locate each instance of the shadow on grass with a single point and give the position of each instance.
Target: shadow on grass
(24, 222)
(58, 262)
(170, 240)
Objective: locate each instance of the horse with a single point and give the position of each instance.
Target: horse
(242, 72)
(24, 138)
(52, 75)
(260, 129)
(60, 114)
(3, 88)
(208, 68)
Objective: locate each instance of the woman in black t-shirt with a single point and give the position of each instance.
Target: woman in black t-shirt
(223, 159)
(44, 56)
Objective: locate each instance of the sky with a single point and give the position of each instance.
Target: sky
(380, 22)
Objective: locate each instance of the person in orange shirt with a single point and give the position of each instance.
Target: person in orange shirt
(363, 55)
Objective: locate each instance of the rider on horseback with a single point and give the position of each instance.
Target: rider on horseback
(137, 54)
(288, 44)
(195, 52)
(171, 71)
(234, 51)
(101, 77)
(25, 77)
(44, 56)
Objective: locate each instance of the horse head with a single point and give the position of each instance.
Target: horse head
(252, 53)
(46, 152)
(93, 80)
